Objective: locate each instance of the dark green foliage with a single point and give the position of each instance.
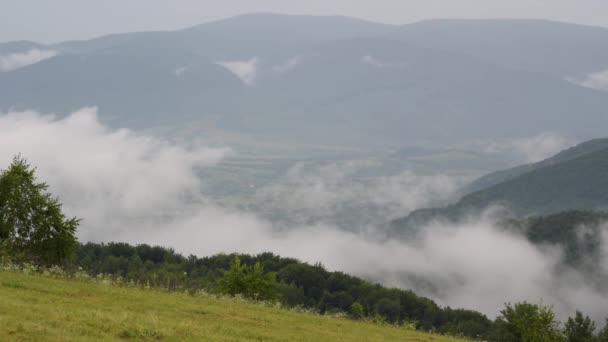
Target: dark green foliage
(525, 322)
(459, 320)
(336, 301)
(291, 295)
(580, 328)
(602, 336)
(388, 308)
(32, 224)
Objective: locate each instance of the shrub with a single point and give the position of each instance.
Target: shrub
(249, 281)
(357, 310)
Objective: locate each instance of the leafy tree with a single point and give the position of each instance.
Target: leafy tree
(32, 223)
(233, 282)
(250, 281)
(260, 284)
(527, 322)
(580, 328)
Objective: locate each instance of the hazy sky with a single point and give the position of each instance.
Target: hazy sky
(56, 20)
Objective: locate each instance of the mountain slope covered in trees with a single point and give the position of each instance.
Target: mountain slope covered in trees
(573, 179)
(501, 176)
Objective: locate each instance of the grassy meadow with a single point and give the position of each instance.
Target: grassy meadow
(34, 307)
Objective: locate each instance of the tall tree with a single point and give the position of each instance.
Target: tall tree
(580, 328)
(32, 223)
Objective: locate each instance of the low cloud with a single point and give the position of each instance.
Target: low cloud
(353, 193)
(529, 150)
(376, 63)
(541, 146)
(597, 81)
(19, 60)
(178, 72)
(138, 188)
(476, 264)
(113, 179)
(246, 71)
(289, 65)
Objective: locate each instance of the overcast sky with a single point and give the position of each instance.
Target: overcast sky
(57, 20)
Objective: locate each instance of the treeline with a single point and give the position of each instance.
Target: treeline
(297, 284)
(294, 283)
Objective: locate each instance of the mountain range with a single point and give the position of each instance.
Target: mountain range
(327, 80)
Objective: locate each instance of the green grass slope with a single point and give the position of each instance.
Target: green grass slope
(37, 308)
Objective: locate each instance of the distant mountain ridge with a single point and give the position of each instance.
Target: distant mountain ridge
(556, 48)
(329, 80)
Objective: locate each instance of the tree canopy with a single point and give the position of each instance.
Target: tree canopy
(32, 223)
(527, 322)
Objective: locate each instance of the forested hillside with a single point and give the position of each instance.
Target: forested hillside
(575, 179)
(498, 177)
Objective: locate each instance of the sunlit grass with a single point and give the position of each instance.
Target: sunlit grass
(41, 308)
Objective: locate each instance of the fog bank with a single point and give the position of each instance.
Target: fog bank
(139, 188)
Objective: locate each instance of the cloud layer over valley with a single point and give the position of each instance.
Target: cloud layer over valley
(129, 186)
